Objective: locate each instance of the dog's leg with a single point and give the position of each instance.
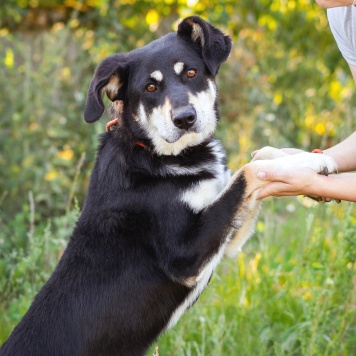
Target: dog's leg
(250, 209)
(241, 234)
(268, 158)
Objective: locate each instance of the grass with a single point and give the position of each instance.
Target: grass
(291, 291)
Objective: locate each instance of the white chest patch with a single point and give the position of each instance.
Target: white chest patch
(203, 194)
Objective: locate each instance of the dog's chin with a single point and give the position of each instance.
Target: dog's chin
(173, 139)
(175, 145)
(177, 135)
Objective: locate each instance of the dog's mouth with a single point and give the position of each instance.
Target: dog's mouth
(172, 140)
(177, 134)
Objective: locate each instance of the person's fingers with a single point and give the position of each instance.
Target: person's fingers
(273, 189)
(263, 193)
(273, 176)
(286, 183)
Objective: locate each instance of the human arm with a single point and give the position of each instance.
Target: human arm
(344, 154)
(353, 71)
(307, 182)
(327, 4)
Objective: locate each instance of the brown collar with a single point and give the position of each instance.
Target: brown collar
(111, 123)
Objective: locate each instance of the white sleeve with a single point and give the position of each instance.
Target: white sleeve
(342, 21)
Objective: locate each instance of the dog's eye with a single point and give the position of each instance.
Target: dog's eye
(191, 73)
(151, 88)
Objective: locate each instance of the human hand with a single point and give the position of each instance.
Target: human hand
(327, 4)
(291, 182)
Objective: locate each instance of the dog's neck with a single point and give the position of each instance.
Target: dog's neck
(115, 124)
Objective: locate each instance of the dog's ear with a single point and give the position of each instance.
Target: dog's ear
(215, 46)
(110, 77)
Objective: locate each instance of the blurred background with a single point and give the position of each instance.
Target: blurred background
(293, 289)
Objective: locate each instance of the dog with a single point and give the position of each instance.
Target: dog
(162, 208)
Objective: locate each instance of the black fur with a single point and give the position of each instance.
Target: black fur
(137, 248)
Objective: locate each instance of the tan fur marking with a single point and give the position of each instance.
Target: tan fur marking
(248, 214)
(112, 87)
(190, 282)
(197, 33)
(134, 117)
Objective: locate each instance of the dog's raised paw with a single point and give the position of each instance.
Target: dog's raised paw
(327, 165)
(268, 152)
(321, 164)
(324, 171)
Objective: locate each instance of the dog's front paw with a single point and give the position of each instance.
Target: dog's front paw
(268, 152)
(321, 163)
(328, 165)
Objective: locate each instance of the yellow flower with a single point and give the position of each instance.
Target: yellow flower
(66, 154)
(51, 175)
(320, 129)
(307, 295)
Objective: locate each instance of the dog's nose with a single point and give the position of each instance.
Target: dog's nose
(185, 119)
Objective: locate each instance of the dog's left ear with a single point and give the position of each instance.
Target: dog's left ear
(109, 78)
(215, 46)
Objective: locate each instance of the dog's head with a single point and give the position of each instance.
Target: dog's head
(167, 87)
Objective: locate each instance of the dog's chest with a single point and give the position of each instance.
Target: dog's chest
(204, 192)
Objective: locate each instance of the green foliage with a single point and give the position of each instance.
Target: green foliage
(285, 84)
(25, 269)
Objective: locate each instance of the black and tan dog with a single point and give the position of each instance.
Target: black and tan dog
(161, 210)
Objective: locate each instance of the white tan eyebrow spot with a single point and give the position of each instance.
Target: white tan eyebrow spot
(157, 75)
(178, 67)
